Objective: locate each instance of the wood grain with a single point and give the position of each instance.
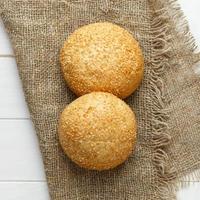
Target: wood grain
(19, 152)
(12, 101)
(23, 191)
(5, 44)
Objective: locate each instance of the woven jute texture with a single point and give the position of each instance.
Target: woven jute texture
(166, 104)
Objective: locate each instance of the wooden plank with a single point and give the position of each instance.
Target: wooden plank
(20, 156)
(191, 11)
(191, 192)
(5, 45)
(12, 101)
(24, 191)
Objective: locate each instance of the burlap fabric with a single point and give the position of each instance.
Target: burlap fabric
(166, 104)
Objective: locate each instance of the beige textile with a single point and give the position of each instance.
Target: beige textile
(166, 103)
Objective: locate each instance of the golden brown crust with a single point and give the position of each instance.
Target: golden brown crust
(97, 131)
(102, 57)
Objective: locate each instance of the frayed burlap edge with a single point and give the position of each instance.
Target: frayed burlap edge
(162, 14)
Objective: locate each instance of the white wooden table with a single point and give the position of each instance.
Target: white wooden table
(21, 170)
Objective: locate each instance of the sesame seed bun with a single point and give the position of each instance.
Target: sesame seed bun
(97, 131)
(102, 57)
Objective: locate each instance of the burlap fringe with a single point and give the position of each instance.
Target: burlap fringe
(162, 14)
(160, 138)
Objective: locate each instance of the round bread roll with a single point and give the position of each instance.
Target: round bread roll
(102, 57)
(97, 131)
